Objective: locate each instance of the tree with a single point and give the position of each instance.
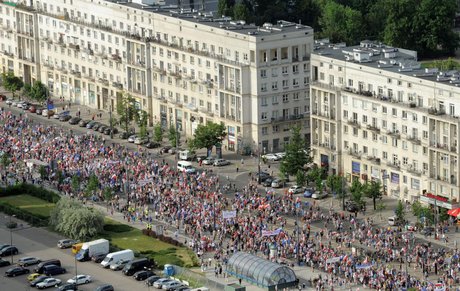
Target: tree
(380, 207)
(12, 83)
(108, 194)
(76, 221)
(38, 91)
(301, 178)
(5, 160)
(93, 185)
(75, 183)
(126, 110)
(207, 136)
(173, 136)
(157, 132)
(43, 172)
(356, 190)
(241, 12)
(335, 183)
(341, 23)
(423, 213)
(400, 211)
(373, 190)
(225, 8)
(296, 155)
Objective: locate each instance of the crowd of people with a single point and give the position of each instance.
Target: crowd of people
(279, 228)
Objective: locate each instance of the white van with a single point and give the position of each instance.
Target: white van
(187, 167)
(186, 155)
(392, 220)
(116, 256)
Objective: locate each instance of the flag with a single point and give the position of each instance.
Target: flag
(271, 232)
(228, 214)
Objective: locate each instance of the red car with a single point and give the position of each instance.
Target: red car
(32, 109)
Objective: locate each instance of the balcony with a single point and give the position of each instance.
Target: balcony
(287, 118)
(354, 123)
(7, 53)
(139, 64)
(29, 33)
(103, 81)
(324, 145)
(117, 85)
(445, 147)
(411, 169)
(323, 114)
(355, 154)
(394, 133)
(74, 46)
(116, 58)
(394, 165)
(76, 73)
(373, 128)
(436, 112)
(373, 159)
(414, 139)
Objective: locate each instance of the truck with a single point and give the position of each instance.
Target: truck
(88, 249)
(187, 155)
(116, 256)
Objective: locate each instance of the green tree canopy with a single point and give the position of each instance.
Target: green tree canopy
(357, 191)
(400, 211)
(126, 110)
(301, 178)
(373, 190)
(76, 221)
(241, 12)
(225, 7)
(38, 91)
(296, 155)
(207, 136)
(173, 136)
(157, 132)
(93, 185)
(11, 82)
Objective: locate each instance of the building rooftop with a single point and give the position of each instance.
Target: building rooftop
(377, 55)
(208, 18)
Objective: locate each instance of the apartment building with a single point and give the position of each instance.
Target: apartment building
(376, 114)
(183, 67)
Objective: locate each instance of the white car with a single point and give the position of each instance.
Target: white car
(172, 284)
(49, 282)
(281, 155)
(158, 284)
(81, 279)
(28, 261)
(208, 161)
(221, 162)
(132, 138)
(295, 189)
(140, 140)
(271, 157)
(319, 195)
(9, 101)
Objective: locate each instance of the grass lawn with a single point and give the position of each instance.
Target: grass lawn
(29, 204)
(126, 237)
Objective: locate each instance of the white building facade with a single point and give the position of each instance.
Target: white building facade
(184, 68)
(376, 114)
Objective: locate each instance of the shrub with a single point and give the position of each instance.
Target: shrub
(117, 228)
(32, 190)
(33, 219)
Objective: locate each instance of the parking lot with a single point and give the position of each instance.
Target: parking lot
(42, 244)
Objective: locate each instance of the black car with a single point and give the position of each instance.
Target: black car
(74, 120)
(150, 280)
(263, 176)
(13, 272)
(8, 251)
(83, 123)
(107, 131)
(52, 270)
(268, 182)
(351, 206)
(152, 145)
(102, 128)
(97, 258)
(90, 124)
(4, 263)
(428, 231)
(39, 279)
(142, 275)
(65, 118)
(125, 135)
(165, 149)
(105, 287)
(67, 287)
(95, 126)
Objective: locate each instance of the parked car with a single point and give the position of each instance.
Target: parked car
(295, 189)
(172, 150)
(33, 276)
(107, 130)
(428, 231)
(308, 193)
(49, 282)
(9, 101)
(90, 124)
(152, 145)
(39, 111)
(351, 206)
(221, 162)
(263, 176)
(140, 140)
(142, 275)
(102, 128)
(83, 123)
(28, 261)
(96, 126)
(278, 183)
(65, 118)
(38, 279)
(271, 157)
(319, 195)
(40, 268)
(118, 265)
(183, 288)
(67, 287)
(16, 271)
(66, 243)
(132, 138)
(4, 263)
(152, 279)
(97, 258)
(171, 285)
(52, 270)
(32, 109)
(125, 135)
(208, 161)
(8, 251)
(165, 149)
(74, 120)
(268, 182)
(159, 283)
(80, 279)
(105, 287)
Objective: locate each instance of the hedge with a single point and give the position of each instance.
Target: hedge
(166, 239)
(33, 219)
(32, 190)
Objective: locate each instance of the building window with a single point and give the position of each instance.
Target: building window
(263, 116)
(285, 98)
(264, 130)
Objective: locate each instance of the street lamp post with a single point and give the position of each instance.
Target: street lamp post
(76, 273)
(111, 124)
(258, 164)
(11, 236)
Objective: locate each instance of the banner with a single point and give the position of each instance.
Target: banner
(333, 260)
(228, 214)
(364, 266)
(271, 232)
